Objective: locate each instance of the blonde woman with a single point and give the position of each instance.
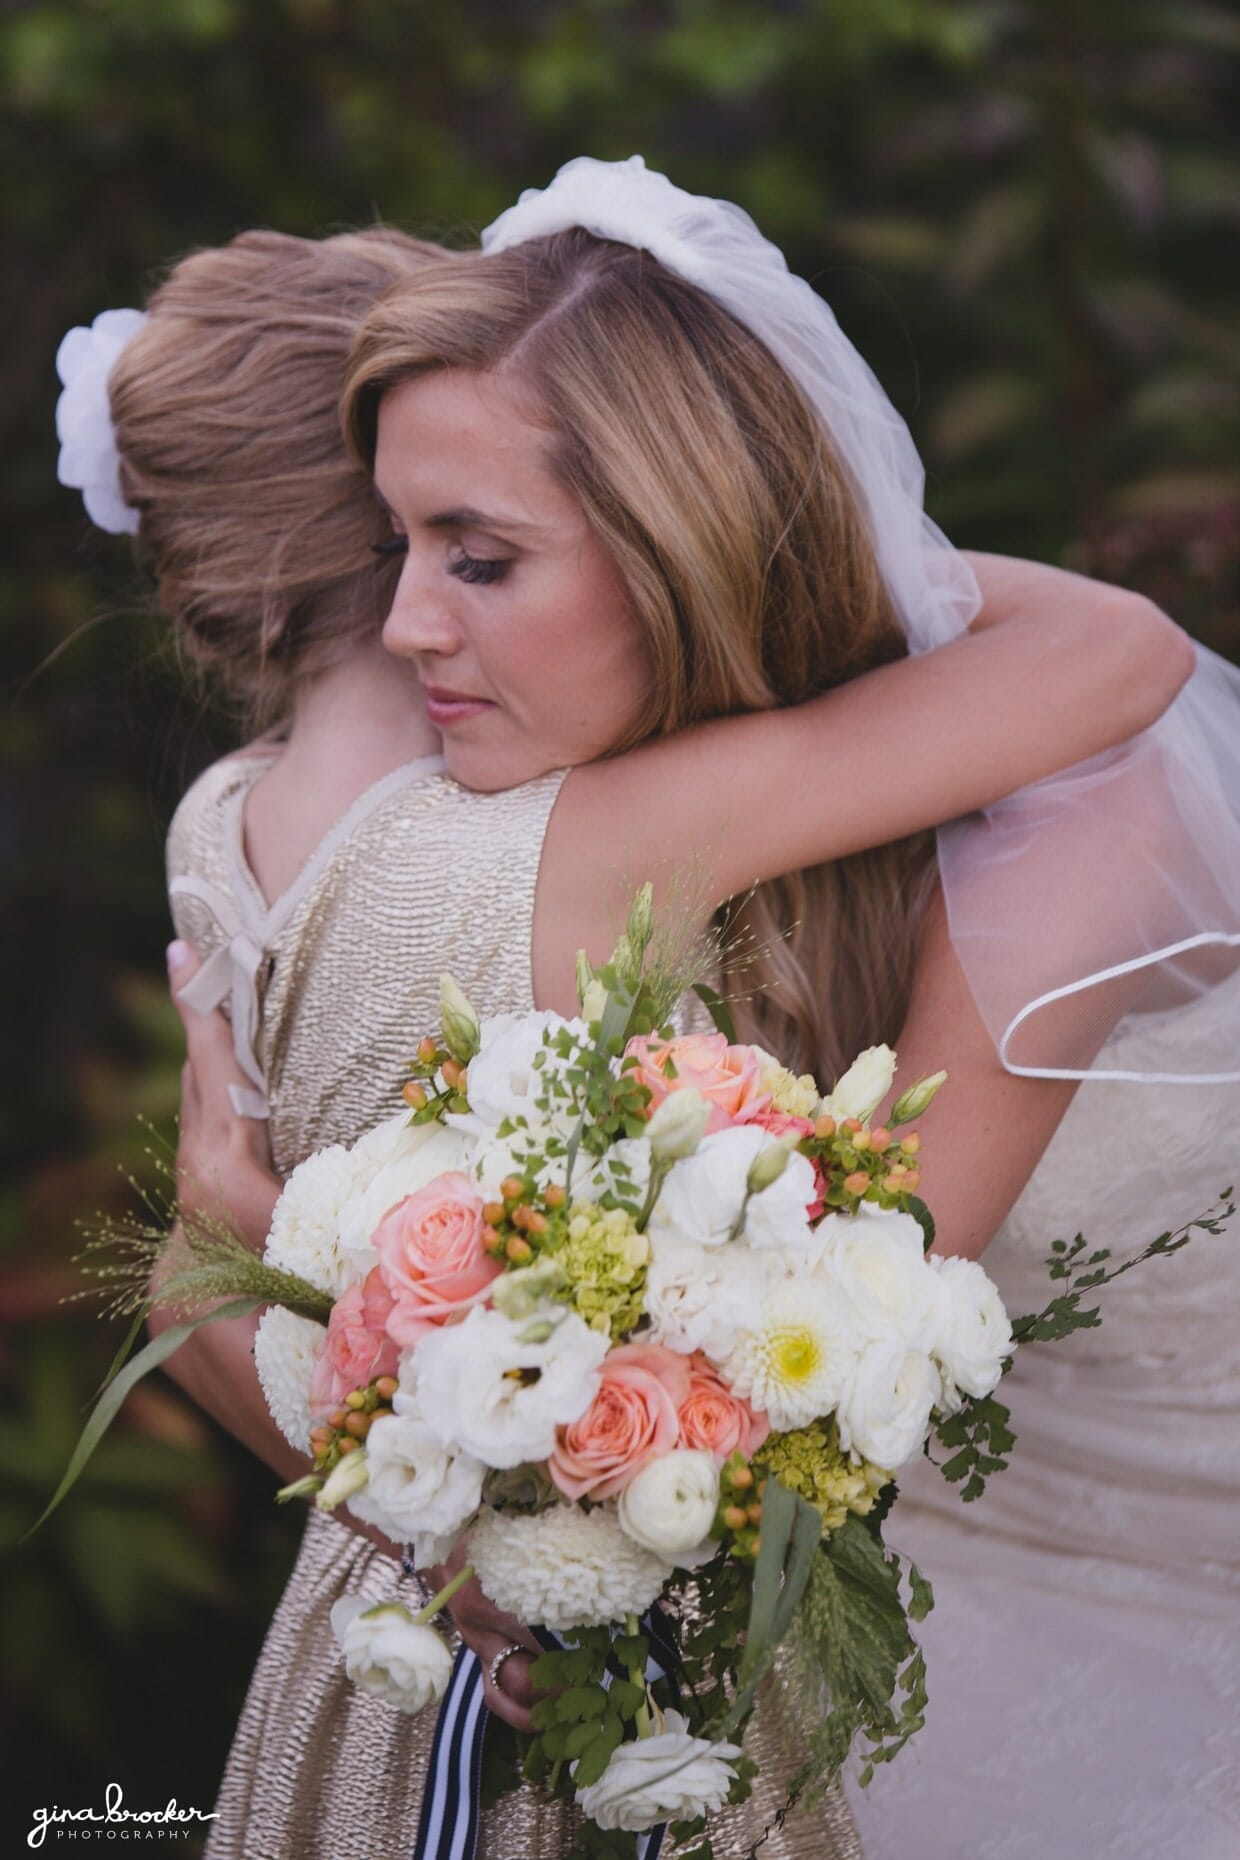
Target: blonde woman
(345, 957)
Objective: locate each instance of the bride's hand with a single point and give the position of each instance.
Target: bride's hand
(223, 1161)
(488, 1631)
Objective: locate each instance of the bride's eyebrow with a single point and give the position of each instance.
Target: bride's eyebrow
(466, 517)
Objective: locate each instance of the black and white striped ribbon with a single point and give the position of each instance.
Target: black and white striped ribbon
(448, 1824)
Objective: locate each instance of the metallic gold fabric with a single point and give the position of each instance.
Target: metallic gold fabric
(429, 877)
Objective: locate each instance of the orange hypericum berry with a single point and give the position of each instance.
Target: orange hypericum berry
(911, 1180)
(910, 1143)
(349, 1445)
(427, 1049)
(320, 1440)
(452, 1070)
(512, 1188)
(359, 1425)
(554, 1195)
(493, 1212)
(536, 1223)
(754, 1513)
(386, 1387)
(894, 1180)
(857, 1183)
(414, 1094)
(852, 1124)
(492, 1241)
(741, 1479)
(518, 1250)
(735, 1517)
(337, 1417)
(824, 1127)
(861, 1141)
(880, 1139)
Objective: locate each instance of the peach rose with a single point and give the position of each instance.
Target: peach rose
(633, 1418)
(784, 1124)
(357, 1347)
(713, 1419)
(431, 1256)
(728, 1077)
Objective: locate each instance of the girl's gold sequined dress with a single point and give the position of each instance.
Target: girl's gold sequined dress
(328, 987)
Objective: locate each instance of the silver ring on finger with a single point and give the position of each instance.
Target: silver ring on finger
(505, 1653)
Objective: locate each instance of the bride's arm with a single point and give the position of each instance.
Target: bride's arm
(1055, 669)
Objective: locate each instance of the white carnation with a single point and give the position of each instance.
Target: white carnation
(973, 1333)
(498, 1389)
(699, 1202)
(416, 1492)
(877, 1259)
(671, 1504)
(673, 1776)
(794, 1361)
(306, 1222)
(564, 1568)
(506, 1074)
(698, 1297)
(285, 1349)
(389, 1654)
(884, 1412)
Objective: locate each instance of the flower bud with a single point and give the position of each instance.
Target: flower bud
(537, 1332)
(594, 1003)
(517, 1294)
(301, 1488)
(349, 1477)
(768, 1165)
(585, 977)
(641, 919)
(626, 961)
(916, 1099)
(864, 1086)
(678, 1125)
(460, 1024)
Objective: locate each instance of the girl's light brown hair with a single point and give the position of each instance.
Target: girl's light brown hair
(226, 403)
(715, 489)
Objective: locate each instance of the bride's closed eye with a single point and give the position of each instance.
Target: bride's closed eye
(391, 545)
(479, 568)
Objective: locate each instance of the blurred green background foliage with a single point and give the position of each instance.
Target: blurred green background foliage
(1023, 211)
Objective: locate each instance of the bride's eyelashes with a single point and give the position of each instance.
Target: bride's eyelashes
(391, 545)
(479, 568)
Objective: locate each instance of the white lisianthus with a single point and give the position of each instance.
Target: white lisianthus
(702, 1197)
(564, 1568)
(305, 1224)
(877, 1259)
(796, 1358)
(397, 1159)
(285, 1352)
(884, 1411)
(672, 1776)
(973, 1334)
(698, 1298)
(671, 1504)
(417, 1493)
(389, 1654)
(498, 1389)
(678, 1125)
(506, 1073)
(864, 1086)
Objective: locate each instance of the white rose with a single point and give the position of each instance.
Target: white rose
(388, 1653)
(671, 1504)
(673, 1776)
(416, 1492)
(973, 1334)
(884, 1411)
(702, 1197)
(398, 1159)
(877, 1259)
(506, 1074)
(468, 1379)
(698, 1298)
(864, 1085)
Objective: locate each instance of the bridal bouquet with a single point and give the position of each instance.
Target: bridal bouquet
(651, 1321)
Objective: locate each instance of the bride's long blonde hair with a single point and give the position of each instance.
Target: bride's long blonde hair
(715, 489)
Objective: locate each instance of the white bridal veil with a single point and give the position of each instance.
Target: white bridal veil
(1106, 892)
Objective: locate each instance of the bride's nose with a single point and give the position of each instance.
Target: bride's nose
(421, 620)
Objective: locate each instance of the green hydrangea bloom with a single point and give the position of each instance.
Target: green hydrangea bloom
(605, 1258)
(799, 1097)
(811, 1463)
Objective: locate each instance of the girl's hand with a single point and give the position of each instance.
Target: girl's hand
(223, 1161)
(487, 1630)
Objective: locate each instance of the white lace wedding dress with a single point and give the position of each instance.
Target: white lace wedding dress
(1083, 1655)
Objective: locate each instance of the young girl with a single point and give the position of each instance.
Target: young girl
(461, 870)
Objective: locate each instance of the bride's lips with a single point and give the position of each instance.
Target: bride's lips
(445, 707)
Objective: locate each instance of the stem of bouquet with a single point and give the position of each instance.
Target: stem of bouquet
(443, 1596)
(632, 1628)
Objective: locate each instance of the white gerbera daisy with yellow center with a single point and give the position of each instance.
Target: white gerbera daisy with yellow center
(795, 1361)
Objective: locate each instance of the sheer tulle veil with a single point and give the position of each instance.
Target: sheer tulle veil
(1109, 891)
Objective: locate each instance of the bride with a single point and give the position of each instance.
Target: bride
(511, 898)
